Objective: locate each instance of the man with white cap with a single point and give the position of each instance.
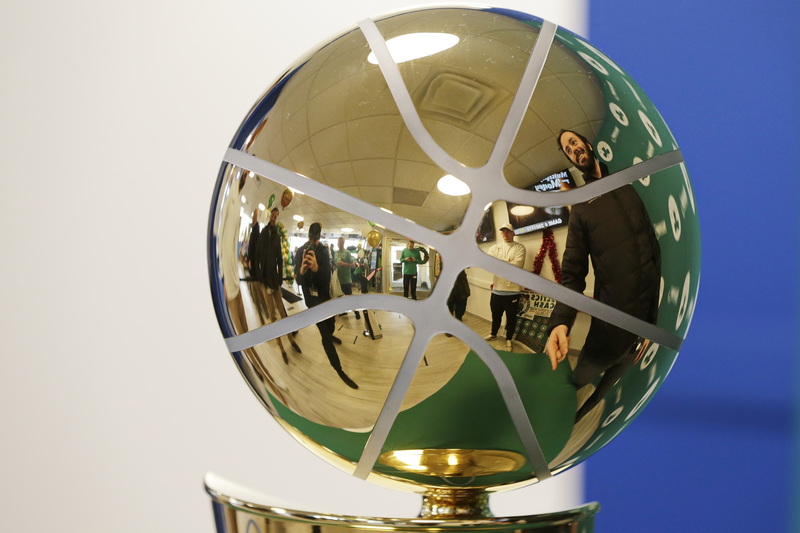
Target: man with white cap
(505, 294)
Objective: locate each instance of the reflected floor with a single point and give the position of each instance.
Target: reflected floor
(310, 387)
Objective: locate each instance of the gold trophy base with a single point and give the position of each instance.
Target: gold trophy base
(442, 509)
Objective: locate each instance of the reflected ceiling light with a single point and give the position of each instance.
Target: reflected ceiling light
(487, 206)
(262, 207)
(295, 191)
(410, 458)
(347, 230)
(384, 209)
(244, 200)
(298, 218)
(452, 186)
(416, 45)
(521, 210)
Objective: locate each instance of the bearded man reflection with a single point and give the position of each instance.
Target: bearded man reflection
(615, 232)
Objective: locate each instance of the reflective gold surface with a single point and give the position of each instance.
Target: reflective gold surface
(455, 503)
(453, 462)
(408, 253)
(442, 510)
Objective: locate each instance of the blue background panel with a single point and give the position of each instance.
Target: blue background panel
(714, 450)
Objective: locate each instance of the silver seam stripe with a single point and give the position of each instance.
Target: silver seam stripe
(430, 147)
(499, 190)
(522, 98)
(391, 407)
(330, 195)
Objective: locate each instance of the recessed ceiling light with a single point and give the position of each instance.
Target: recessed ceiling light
(347, 230)
(521, 210)
(298, 218)
(416, 45)
(452, 186)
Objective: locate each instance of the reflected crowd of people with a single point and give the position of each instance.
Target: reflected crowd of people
(612, 232)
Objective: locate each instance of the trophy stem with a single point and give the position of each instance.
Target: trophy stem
(438, 503)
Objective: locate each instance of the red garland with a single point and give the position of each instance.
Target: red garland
(548, 247)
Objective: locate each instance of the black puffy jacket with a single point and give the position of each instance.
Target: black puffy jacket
(615, 232)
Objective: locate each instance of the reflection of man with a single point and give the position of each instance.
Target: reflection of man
(313, 273)
(272, 262)
(254, 248)
(359, 274)
(344, 263)
(410, 258)
(271, 273)
(505, 294)
(615, 232)
(252, 242)
(457, 301)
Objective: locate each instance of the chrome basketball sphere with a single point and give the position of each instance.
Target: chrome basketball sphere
(454, 248)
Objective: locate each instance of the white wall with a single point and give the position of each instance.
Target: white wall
(117, 393)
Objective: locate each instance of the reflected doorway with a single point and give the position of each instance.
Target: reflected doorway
(392, 263)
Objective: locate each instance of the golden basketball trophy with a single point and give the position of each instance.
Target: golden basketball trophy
(453, 250)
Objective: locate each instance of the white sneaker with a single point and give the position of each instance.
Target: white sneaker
(490, 337)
